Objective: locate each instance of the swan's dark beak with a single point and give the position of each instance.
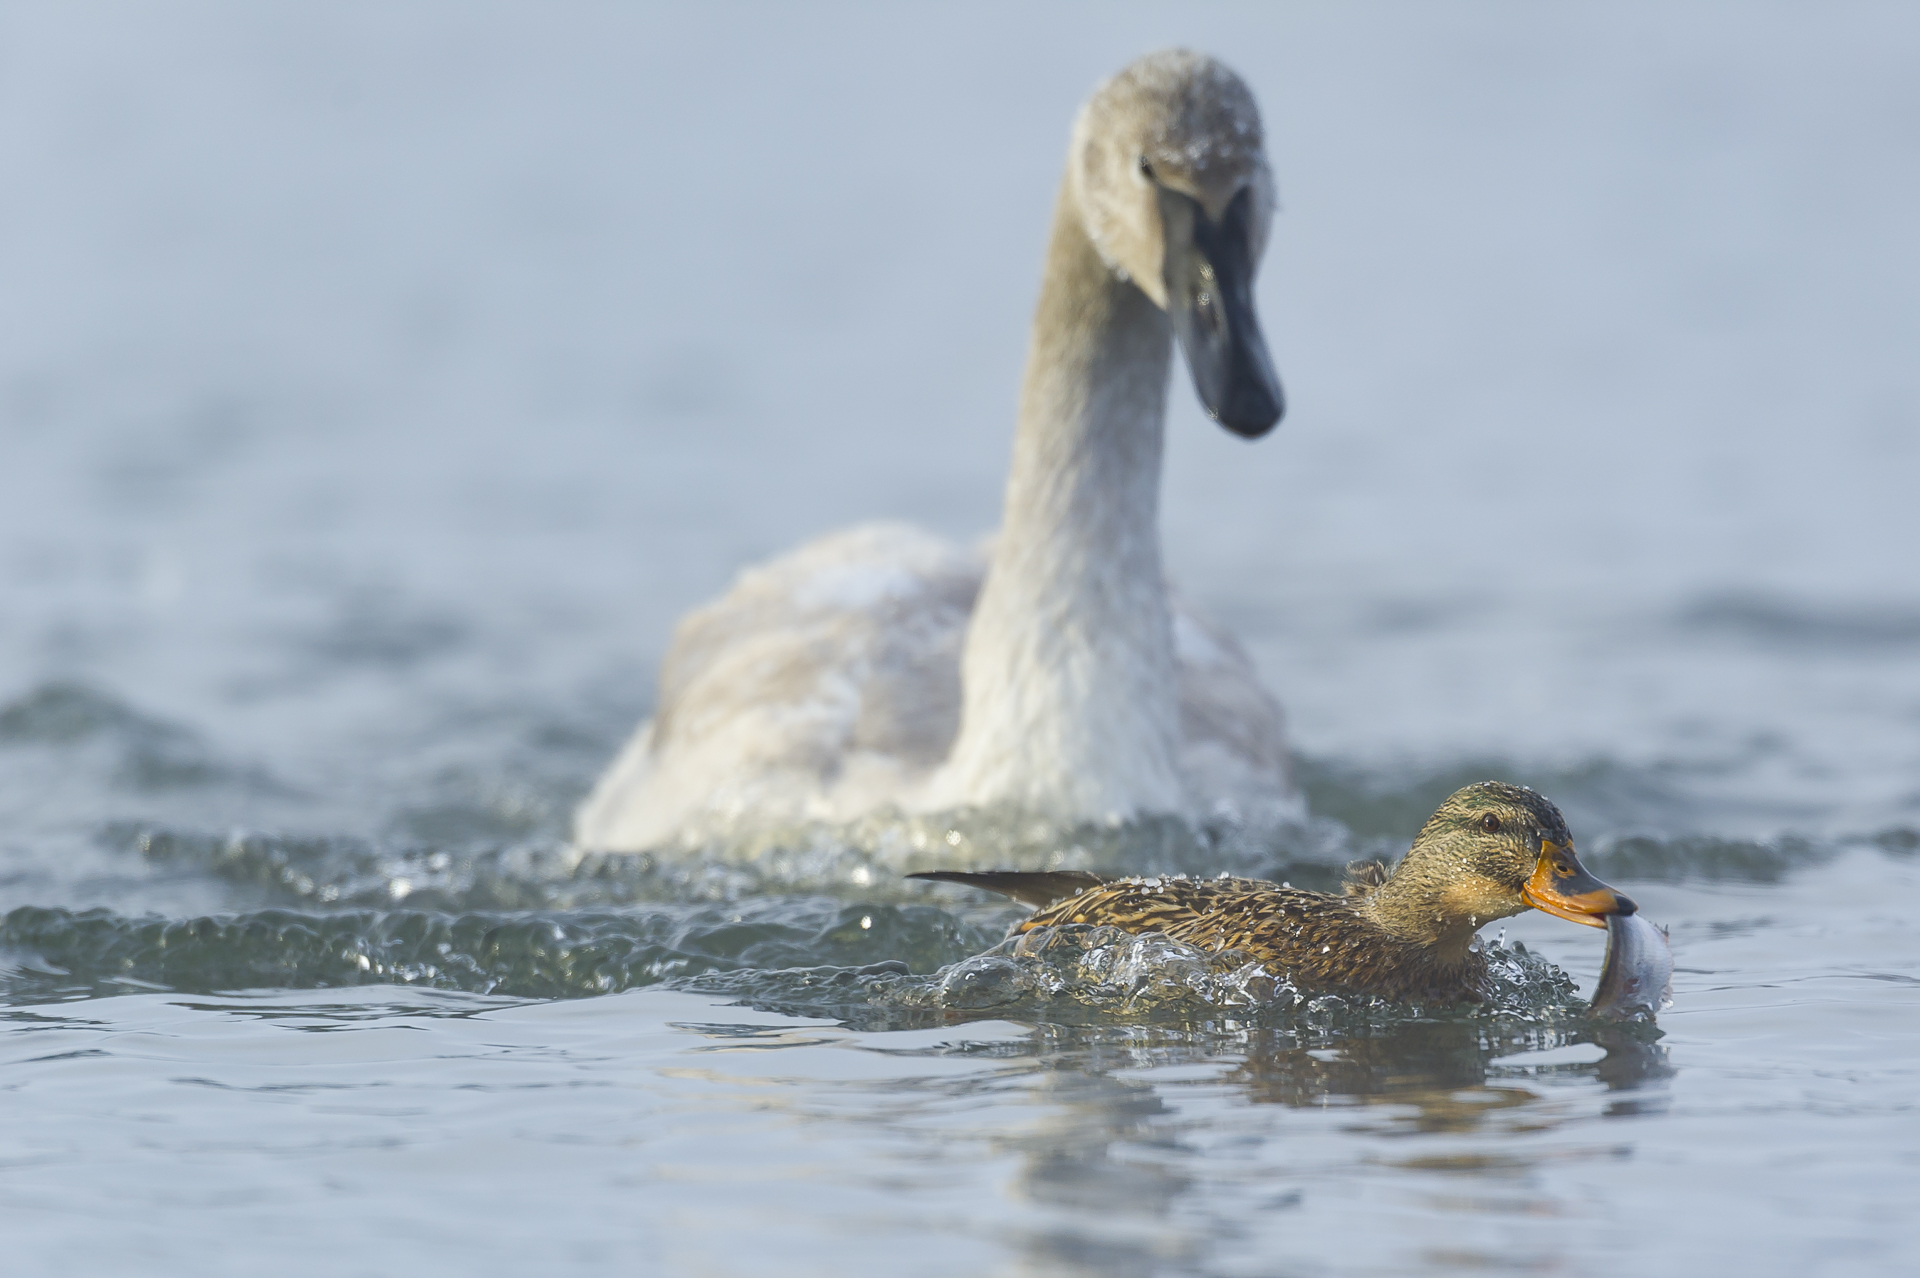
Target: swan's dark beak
(1209, 279)
(1561, 886)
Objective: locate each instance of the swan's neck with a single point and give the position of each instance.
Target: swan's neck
(1069, 697)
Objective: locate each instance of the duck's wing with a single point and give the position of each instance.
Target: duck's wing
(1152, 902)
(1038, 889)
(826, 679)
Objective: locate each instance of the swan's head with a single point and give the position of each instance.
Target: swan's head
(1170, 175)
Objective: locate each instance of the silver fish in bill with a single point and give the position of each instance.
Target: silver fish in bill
(1637, 978)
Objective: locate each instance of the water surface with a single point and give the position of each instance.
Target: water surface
(378, 386)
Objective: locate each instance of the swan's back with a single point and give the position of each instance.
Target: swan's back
(824, 683)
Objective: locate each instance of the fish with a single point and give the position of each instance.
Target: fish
(1637, 978)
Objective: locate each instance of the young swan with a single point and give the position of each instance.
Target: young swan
(1491, 851)
(880, 667)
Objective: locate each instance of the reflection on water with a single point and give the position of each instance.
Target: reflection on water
(1636, 1063)
(1138, 1169)
(1453, 1074)
(1214, 1147)
(1112, 1095)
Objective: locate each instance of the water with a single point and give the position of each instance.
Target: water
(379, 385)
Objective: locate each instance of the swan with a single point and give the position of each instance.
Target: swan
(1049, 672)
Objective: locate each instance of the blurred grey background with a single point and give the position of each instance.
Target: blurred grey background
(378, 382)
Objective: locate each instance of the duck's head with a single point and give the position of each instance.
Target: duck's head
(1491, 851)
(1169, 171)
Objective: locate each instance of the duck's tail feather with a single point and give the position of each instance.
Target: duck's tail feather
(1039, 888)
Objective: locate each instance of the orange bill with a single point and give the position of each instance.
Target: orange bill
(1561, 886)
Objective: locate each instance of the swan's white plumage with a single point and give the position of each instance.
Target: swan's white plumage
(826, 683)
(881, 667)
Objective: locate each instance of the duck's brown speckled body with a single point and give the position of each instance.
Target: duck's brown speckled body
(1316, 940)
(1492, 850)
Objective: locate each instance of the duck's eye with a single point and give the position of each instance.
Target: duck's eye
(1490, 823)
(1146, 169)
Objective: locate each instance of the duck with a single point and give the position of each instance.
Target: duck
(1490, 851)
(1051, 672)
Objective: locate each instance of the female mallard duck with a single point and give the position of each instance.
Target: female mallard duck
(1491, 851)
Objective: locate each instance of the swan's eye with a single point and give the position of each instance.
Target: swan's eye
(1490, 823)
(1146, 169)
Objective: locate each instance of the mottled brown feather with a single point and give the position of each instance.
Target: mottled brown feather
(1315, 940)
